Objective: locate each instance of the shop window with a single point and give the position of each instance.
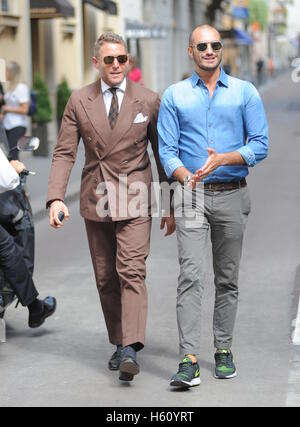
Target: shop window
(4, 5)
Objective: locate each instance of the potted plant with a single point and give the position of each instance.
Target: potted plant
(63, 95)
(42, 116)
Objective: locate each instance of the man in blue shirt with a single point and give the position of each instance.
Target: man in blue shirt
(212, 128)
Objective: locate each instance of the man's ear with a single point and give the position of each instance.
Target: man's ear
(190, 52)
(96, 62)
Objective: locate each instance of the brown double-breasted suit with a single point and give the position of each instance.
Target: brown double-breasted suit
(115, 159)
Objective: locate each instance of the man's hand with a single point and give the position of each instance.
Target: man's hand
(18, 166)
(56, 207)
(169, 221)
(213, 161)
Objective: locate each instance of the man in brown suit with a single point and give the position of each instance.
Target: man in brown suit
(115, 118)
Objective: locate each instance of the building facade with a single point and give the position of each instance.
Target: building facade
(56, 38)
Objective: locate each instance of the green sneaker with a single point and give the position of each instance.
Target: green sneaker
(188, 374)
(225, 367)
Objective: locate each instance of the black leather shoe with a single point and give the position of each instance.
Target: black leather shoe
(35, 320)
(128, 366)
(114, 361)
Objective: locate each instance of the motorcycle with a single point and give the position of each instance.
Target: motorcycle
(16, 213)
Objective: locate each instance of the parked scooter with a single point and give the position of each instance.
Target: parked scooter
(16, 215)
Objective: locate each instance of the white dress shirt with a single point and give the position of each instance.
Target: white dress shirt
(9, 179)
(107, 95)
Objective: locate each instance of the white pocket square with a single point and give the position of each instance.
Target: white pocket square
(140, 118)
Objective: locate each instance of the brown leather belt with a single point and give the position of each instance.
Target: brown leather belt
(223, 186)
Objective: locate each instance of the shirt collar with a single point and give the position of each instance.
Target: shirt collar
(121, 86)
(223, 78)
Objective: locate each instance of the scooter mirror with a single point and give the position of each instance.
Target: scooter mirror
(28, 143)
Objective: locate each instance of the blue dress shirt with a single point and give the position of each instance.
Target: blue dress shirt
(232, 120)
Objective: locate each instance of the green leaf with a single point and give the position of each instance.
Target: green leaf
(44, 108)
(63, 95)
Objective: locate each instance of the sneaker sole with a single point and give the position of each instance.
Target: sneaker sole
(186, 384)
(225, 377)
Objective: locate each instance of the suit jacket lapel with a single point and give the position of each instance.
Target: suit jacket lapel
(96, 111)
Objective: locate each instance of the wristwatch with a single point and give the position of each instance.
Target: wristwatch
(187, 179)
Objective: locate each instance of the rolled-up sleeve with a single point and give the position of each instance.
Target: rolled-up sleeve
(168, 134)
(256, 127)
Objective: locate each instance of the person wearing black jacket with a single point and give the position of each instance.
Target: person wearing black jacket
(14, 262)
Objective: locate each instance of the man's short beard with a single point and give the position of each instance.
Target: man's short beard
(212, 68)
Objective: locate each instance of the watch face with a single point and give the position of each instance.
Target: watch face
(187, 179)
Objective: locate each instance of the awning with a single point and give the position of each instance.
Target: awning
(47, 9)
(105, 5)
(236, 36)
(241, 37)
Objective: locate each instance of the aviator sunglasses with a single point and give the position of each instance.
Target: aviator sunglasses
(110, 59)
(202, 46)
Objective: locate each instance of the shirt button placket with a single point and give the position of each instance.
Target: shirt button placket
(209, 128)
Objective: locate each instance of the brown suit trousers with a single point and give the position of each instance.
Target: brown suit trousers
(119, 251)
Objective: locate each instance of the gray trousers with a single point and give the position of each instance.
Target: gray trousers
(225, 214)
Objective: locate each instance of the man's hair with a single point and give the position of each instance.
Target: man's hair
(204, 26)
(108, 37)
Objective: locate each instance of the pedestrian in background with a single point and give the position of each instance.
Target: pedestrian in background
(212, 128)
(260, 71)
(115, 118)
(135, 73)
(14, 112)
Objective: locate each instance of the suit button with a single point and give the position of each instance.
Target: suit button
(89, 139)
